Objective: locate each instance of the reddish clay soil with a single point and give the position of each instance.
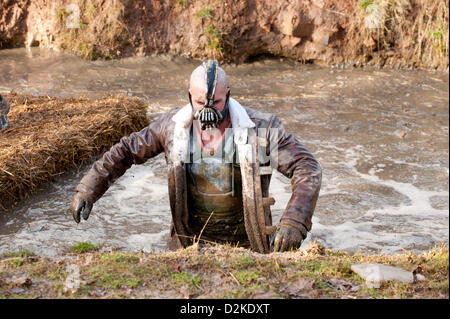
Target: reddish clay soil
(408, 33)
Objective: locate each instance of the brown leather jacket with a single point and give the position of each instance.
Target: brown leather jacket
(165, 134)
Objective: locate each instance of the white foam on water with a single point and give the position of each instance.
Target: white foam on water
(420, 223)
(280, 189)
(419, 199)
(399, 161)
(351, 236)
(148, 242)
(142, 184)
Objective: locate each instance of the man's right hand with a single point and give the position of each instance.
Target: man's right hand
(81, 203)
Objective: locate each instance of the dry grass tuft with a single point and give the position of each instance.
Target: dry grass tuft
(47, 136)
(400, 31)
(100, 33)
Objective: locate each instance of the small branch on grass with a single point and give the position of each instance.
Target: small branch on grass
(204, 226)
(193, 238)
(231, 275)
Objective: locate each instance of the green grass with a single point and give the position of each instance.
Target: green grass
(244, 11)
(205, 12)
(182, 4)
(364, 4)
(119, 258)
(116, 281)
(23, 253)
(214, 38)
(220, 272)
(17, 258)
(83, 247)
(244, 261)
(61, 13)
(246, 277)
(16, 262)
(187, 278)
(436, 34)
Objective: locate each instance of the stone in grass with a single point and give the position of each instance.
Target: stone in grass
(375, 274)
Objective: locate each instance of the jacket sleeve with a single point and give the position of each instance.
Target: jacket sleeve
(298, 164)
(136, 148)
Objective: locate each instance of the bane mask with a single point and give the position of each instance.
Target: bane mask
(208, 115)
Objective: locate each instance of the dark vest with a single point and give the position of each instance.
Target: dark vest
(215, 185)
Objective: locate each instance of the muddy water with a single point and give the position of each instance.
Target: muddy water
(381, 137)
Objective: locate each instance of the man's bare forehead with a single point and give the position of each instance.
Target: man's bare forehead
(198, 80)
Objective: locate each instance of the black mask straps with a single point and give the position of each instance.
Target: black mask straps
(208, 115)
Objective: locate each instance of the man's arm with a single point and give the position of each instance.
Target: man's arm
(298, 164)
(136, 148)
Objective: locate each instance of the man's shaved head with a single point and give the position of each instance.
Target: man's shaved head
(197, 88)
(198, 79)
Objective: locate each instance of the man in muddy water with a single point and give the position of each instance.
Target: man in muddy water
(4, 109)
(202, 142)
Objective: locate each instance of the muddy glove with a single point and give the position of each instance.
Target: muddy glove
(287, 237)
(81, 203)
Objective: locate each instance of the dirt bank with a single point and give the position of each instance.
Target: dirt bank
(379, 32)
(214, 272)
(47, 136)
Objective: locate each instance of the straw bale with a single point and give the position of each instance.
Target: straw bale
(48, 136)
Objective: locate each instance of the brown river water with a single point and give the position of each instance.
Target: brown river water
(381, 137)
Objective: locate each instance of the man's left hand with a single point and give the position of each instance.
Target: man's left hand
(286, 238)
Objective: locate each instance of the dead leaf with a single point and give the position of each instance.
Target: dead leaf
(263, 294)
(175, 267)
(343, 285)
(70, 290)
(301, 288)
(88, 260)
(18, 290)
(315, 249)
(417, 274)
(127, 289)
(22, 281)
(32, 259)
(370, 43)
(185, 293)
(96, 293)
(418, 270)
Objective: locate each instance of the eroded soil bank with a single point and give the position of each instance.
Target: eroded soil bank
(215, 272)
(379, 32)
